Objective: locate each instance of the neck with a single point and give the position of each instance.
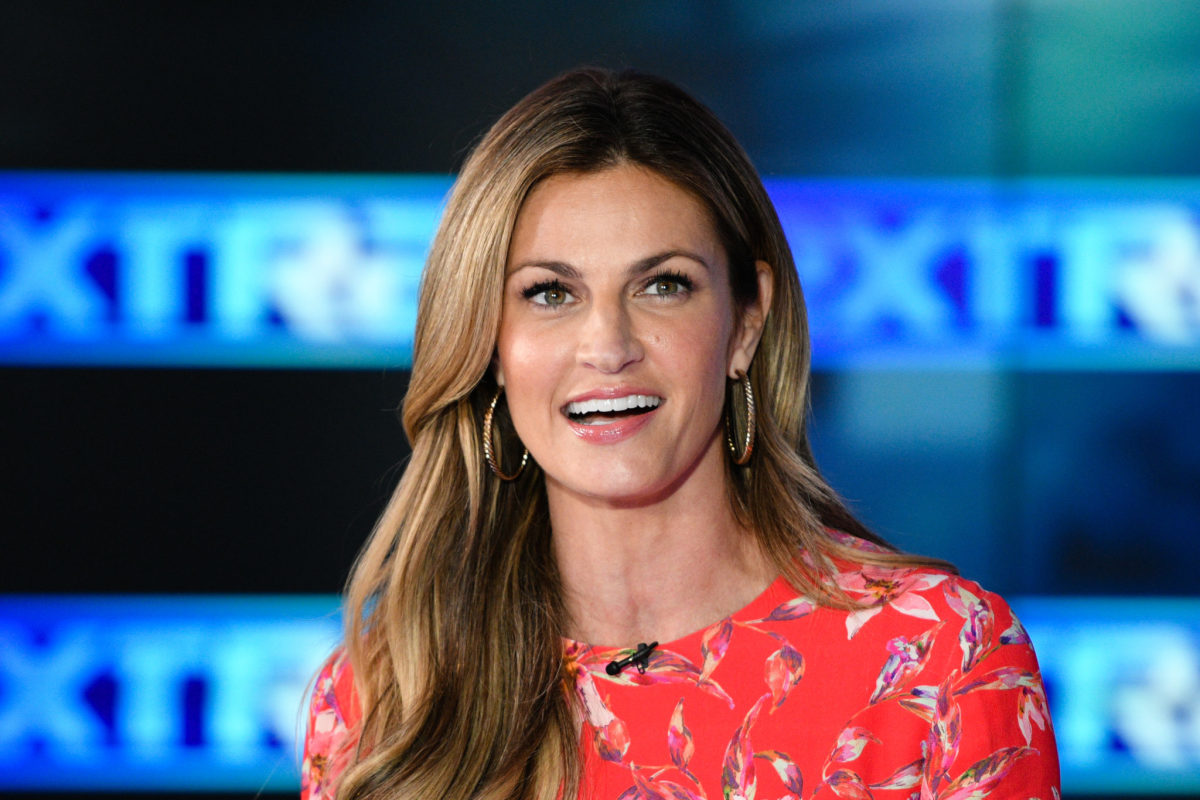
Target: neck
(654, 572)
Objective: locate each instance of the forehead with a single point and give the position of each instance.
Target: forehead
(622, 213)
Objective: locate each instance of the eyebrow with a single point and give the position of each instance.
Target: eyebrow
(636, 268)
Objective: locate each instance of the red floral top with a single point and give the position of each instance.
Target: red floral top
(930, 691)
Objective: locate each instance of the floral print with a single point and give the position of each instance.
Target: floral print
(917, 694)
(929, 690)
(333, 714)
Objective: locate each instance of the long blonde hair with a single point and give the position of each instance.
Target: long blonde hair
(453, 612)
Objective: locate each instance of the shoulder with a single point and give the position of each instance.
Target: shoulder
(954, 603)
(333, 716)
(334, 695)
(956, 656)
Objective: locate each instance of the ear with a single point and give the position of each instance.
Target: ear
(497, 371)
(752, 321)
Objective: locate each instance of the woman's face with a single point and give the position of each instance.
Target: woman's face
(617, 334)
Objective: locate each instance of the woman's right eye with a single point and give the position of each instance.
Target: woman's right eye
(548, 294)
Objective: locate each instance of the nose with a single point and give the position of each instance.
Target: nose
(608, 341)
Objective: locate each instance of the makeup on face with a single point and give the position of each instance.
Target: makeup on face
(616, 334)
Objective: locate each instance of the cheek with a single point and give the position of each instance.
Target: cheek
(696, 357)
(530, 364)
(704, 343)
(524, 352)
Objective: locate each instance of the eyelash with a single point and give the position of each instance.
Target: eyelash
(685, 285)
(545, 286)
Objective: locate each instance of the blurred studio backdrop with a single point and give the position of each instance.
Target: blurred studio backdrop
(212, 222)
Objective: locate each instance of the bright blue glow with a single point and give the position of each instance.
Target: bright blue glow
(1123, 679)
(206, 693)
(214, 269)
(324, 270)
(199, 693)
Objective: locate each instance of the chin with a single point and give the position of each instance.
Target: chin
(629, 491)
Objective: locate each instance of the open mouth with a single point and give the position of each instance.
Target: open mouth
(602, 411)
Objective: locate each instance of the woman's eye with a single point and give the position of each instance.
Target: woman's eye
(668, 285)
(553, 297)
(548, 294)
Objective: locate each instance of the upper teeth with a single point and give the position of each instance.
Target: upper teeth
(614, 404)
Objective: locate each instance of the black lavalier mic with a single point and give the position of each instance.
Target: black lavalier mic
(640, 657)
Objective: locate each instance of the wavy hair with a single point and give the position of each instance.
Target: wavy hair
(454, 618)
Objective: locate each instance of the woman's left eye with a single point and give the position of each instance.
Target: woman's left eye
(668, 285)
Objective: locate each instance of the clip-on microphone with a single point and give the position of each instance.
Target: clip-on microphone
(640, 657)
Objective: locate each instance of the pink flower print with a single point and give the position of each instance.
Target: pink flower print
(581, 658)
(611, 736)
(850, 744)
(922, 701)
(960, 598)
(327, 749)
(663, 666)
(674, 791)
(644, 789)
(595, 710)
(324, 741)
(906, 777)
(847, 783)
(680, 743)
(945, 734)
(856, 619)
(713, 646)
(784, 668)
(886, 583)
(1002, 678)
(880, 586)
(976, 636)
(785, 768)
(677, 792)
(795, 608)
(1015, 634)
(738, 781)
(1031, 707)
(612, 741)
(907, 659)
(983, 776)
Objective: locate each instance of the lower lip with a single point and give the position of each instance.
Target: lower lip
(611, 432)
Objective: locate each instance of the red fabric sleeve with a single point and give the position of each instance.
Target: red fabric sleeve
(990, 732)
(333, 717)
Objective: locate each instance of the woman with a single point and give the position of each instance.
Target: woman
(611, 568)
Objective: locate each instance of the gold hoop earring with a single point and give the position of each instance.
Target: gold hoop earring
(488, 451)
(751, 424)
